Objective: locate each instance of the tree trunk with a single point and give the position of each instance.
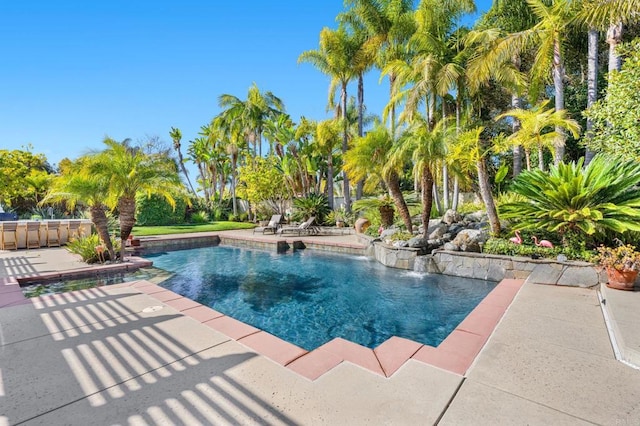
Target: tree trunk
(527, 156)
(184, 171)
(99, 219)
(614, 37)
(127, 209)
(436, 199)
(456, 194)
(392, 81)
(540, 157)
(386, 215)
(345, 147)
(515, 126)
(393, 183)
(592, 87)
(558, 83)
(330, 180)
(487, 197)
(445, 187)
(233, 187)
(360, 185)
(427, 199)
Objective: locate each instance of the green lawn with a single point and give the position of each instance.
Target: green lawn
(143, 231)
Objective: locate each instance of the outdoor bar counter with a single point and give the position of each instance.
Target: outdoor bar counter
(47, 232)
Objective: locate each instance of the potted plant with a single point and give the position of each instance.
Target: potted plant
(621, 263)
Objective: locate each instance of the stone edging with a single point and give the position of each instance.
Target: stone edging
(489, 266)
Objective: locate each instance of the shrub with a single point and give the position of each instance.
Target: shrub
(155, 210)
(312, 205)
(200, 217)
(505, 247)
(86, 248)
(575, 202)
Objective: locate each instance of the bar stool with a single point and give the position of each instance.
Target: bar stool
(73, 230)
(9, 229)
(53, 227)
(33, 241)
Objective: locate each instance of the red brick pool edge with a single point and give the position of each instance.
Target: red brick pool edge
(455, 354)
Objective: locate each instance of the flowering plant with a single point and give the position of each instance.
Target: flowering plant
(622, 258)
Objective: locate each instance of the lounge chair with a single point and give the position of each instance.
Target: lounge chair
(273, 226)
(306, 227)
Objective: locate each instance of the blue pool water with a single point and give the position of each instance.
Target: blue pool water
(308, 298)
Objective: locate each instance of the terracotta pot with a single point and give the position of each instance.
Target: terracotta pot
(621, 280)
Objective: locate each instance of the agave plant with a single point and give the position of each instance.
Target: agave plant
(573, 201)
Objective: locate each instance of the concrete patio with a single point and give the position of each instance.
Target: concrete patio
(131, 354)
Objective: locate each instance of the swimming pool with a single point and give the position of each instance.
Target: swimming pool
(309, 297)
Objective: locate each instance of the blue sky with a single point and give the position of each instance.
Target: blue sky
(75, 71)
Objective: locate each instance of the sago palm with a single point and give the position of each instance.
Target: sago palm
(571, 200)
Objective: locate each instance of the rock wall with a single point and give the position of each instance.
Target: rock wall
(496, 268)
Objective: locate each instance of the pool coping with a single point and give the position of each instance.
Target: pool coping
(455, 354)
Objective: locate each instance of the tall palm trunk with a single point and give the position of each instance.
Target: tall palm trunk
(515, 126)
(99, 219)
(516, 103)
(234, 160)
(592, 86)
(456, 193)
(558, 83)
(360, 184)
(127, 209)
(427, 199)
(614, 37)
(330, 180)
(487, 197)
(393, 183)
(345, 147)
(184, 170)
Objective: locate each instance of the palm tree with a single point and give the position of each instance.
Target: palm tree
(488, 63)
(470, 151)
(252, 113)
(368, 159)
(79, 186)
(389, 24)
(327, 138)
(176, 136)
(231, 138)
(130, 172)
(427, 148)
(534, 123)
(546, 37)
(335, 59)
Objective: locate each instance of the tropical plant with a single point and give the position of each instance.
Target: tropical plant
(130, 172)
(368, 159)
(80, 185)
(251, 114)
(427, 149)
(570, 200)
(615, 117)
(533, 131)
(377, 210)
(199, 217)
(312, 205)
(89, 247)
(176, 136)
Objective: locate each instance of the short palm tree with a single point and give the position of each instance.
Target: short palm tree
(368, 159)
(533, 129)
(427, 149)
(79, 186)
(129, 173)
